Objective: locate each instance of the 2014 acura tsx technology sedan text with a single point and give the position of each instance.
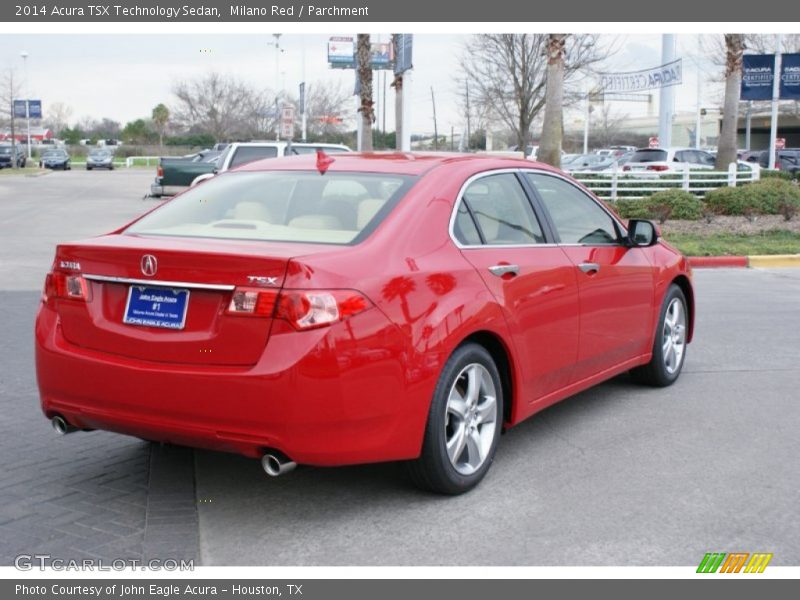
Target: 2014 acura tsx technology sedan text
(363, 308)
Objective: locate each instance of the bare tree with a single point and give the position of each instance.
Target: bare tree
(553, 127)
(217, 104)
(507, 74)
(726, 148)
(367, 108)
(9, 90)
(608, 126)
(328, 107)
(58, 115)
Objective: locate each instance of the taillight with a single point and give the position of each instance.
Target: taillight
(303, 309)
(252, 302)
(657, 168)
(63, 285)
(160, 171)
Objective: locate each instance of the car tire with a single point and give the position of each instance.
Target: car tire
(88, 168)
(669, 346)
(464, 424)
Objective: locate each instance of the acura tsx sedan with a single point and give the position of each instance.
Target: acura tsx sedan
(360, 308)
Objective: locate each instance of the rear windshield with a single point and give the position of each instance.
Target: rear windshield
(246, 154)
(292, 206)
(645, 156)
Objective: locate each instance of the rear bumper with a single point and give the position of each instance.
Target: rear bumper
(324, 397)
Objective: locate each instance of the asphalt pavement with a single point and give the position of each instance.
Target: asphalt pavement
(618, 475)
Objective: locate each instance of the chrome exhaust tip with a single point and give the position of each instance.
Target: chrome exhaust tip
(61, 426)
(276, 465)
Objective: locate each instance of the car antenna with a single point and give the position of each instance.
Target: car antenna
(323, 161)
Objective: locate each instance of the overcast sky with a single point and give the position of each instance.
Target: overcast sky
(123, 77)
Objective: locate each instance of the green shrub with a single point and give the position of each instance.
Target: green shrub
(632, 209)
(762, 198)
(663, 205)
(682, 205)
(775, 174)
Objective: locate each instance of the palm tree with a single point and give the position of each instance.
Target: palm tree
(726, 148)
(553, 126)
(160, 119)
(365, 90)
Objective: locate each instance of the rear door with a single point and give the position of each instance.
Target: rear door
(500, 235)
(616, 283)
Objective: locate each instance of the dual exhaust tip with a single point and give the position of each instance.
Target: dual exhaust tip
(274, 464)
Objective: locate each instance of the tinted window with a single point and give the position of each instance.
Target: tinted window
(295, 206)
(246, 154)
(577, 218)
(501, 211)
(649, 156)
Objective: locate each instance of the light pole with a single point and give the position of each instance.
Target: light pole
(24, 56)
(278, 50)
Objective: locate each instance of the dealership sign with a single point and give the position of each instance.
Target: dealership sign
(27, 108)
(342, 54)
(640, 81)
(758, 77)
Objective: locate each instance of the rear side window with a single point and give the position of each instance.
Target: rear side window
(644, 156)
(577, 218)
(500, 212)
(292, 206)
(246, 154)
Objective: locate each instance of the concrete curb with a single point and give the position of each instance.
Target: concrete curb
(762, 261)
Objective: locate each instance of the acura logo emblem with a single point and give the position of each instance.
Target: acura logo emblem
(149, 264)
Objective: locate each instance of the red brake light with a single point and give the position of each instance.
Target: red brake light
(657, 168)
(160, 171)
(253, 302)
(63, 285)
(303, 309)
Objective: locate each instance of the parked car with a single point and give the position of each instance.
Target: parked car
(11, 155)
(358, 308)
(176, 174)
(669, 160)
(242, 153)
(100, 159)
(751, 156)
(596, 162)
(787, 160)
(55, 158)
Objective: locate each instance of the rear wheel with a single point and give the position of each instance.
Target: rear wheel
(669, 347)
(464, 424)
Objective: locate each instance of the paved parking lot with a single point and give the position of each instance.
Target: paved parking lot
(619, 475)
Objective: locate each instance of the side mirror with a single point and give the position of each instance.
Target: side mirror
(641, 233)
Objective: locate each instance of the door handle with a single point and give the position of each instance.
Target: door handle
(501, 270)
(589, 267)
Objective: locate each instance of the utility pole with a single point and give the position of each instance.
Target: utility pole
(397, 84)
(586, 120)
(303, 118)
(435, 127)
(11, 114)
(27, 90)
(277, 45)
(748, 116)
(666, 103)
(776, 91)
(699, 123)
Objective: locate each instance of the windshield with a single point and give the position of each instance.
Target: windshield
(292, 206)
(54, 154)
(5, 149)
(99, 154)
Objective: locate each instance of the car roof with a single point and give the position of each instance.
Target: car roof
(400, 163)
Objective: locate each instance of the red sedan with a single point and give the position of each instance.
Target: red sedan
(362, 308)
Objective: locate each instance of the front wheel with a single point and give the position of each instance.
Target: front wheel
(464, 424)
(669, 346)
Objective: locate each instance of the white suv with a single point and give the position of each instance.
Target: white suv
(240, 153)
(668, 160)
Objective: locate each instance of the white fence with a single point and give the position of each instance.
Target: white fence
(635, 185)
(141, 161)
